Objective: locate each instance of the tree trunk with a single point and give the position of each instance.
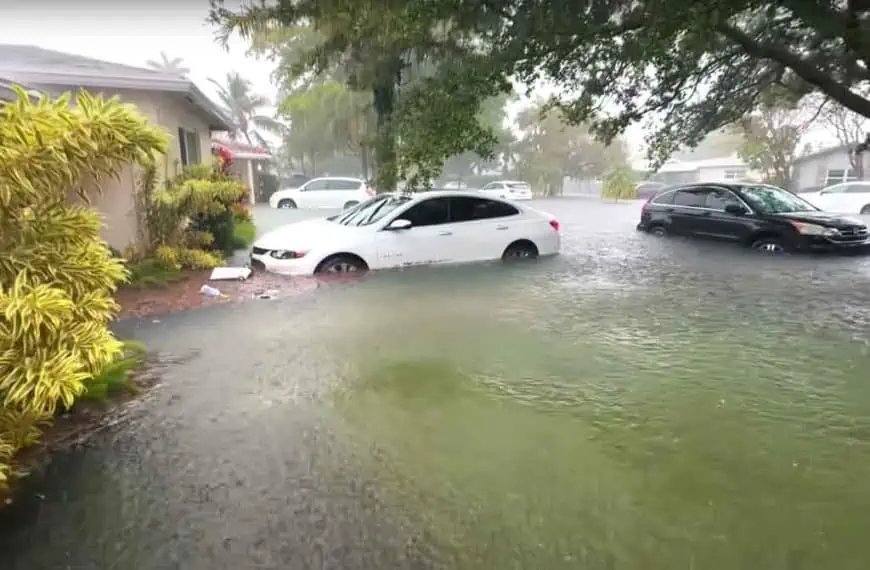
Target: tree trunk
(364, 160)
(384, 99)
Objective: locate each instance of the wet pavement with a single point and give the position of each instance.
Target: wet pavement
(633, 403)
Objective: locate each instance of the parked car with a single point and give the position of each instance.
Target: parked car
(508, 190)
(399, 230)
(845, 198)
(330, 192)
(762, 217)
(295, 180)
(647, 189)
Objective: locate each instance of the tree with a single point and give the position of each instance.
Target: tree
(850, 128)
(688, 67)
(242, 104)
(389, 48)
(773, 135)
(174, 65)
(549, 149)
(619, 184)
(722, 142)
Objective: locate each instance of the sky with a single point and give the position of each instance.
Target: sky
(132, 33)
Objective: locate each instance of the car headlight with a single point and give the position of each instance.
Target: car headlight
(814, 230)
(287, 254)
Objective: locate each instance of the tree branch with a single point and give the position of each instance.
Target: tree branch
(805, 70)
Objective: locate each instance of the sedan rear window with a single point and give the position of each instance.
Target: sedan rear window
(518, 186)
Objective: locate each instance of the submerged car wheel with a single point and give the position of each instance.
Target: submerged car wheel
(341, 264)
(285, 204)
(520, 251)
(866, 210)
(658, 231)
(770, 245)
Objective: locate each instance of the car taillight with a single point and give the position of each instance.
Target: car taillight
(554, 224)
(646, 204)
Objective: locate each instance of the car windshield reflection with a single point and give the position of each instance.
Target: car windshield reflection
(773, 200)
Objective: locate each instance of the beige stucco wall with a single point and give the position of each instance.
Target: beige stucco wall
(116, 202)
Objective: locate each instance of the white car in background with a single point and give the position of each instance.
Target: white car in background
(400, 230)
(845, 198)
(508, 190)
(328, 192)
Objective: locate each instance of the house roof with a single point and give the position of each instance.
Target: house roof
(242, 150)
(691, 165)
(38, 66)
(823, 152)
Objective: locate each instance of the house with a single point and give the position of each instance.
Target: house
(248, 162)
(169, 101)
(727, 168)
(825, 167)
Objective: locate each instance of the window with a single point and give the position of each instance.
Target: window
(666, 198)
(344, 184)
(773, 200)
(518, 186)
(428, 213)
(691, 198)
(492, 186)
(315, 185)
(858, 189)
(735, 174)
(717, 199)
(188, 146)
(467, 209)
(836, 175)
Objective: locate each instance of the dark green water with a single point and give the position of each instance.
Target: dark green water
(634, 404)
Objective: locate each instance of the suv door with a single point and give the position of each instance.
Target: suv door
(723, 225)
(689, 211)
(429, 240)
(483, 227)
(313, 193)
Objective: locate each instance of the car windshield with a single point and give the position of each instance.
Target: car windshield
(371, 210)
(773, 200)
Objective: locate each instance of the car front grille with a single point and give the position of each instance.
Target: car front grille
(260, 251)
(853, 234)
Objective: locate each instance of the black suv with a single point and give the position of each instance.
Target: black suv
(763, 217)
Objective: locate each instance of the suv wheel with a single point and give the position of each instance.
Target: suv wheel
(658, 231)
(866, 210)
(770, 245)
(283, 204)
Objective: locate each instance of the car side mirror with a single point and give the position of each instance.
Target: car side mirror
(399, 224)
(735, 209)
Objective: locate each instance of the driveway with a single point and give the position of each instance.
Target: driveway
(632, 403)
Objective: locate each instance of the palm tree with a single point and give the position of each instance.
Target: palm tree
(239, 101)
(174, 65)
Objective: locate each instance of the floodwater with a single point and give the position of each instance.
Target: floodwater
(635, 403)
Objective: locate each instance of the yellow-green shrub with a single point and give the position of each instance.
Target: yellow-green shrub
(57, 277)
(191, 215)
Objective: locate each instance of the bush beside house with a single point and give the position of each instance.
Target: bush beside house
(57, 277)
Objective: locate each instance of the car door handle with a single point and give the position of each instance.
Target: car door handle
(445, 234)
(501, 227)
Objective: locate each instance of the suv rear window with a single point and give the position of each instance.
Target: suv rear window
(692, 198)
(666, 198)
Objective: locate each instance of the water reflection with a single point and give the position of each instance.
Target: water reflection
(634, 403)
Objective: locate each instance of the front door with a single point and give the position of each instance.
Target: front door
(429, 240)
(723, 225)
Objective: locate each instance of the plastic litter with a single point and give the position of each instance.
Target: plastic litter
(209, 291)
(268, 294)
(227, 273)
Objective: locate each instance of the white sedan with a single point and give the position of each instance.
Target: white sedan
(845, 198)
(508, 190)
(400, 230)
(330, 192)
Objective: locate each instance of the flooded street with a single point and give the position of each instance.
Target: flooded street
(635, 403)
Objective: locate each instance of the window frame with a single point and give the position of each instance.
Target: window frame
(859, 184)
(403, 214)
(848, 175)
(516, 211)
(307, 186)
(185, 137)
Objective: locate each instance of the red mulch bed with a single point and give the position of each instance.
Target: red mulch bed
(184, 294)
